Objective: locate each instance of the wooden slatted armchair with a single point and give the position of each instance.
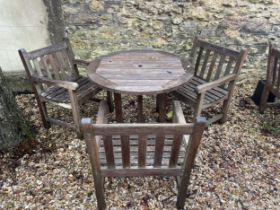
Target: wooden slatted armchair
(118, 150)
(54, 76)
(272, 83)
(216, 70)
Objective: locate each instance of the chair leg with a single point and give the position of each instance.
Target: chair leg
(182, 191)
(198, 107)
(99, 192)
(225, 110)
(75, 112)
(263, 99)
(44, 114)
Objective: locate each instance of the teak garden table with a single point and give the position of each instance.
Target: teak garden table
(140, 72)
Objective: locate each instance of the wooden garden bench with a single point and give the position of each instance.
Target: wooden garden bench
(119, 150)
(216, 70)
(54, 76)
(272, 83)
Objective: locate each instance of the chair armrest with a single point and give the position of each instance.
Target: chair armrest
(216, 83)
(102, 113)
(81, 63)
(60, 83)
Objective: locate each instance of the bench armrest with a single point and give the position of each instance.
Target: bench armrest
(216, 83)
(59, 83)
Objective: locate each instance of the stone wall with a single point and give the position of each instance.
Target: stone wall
(97, 27)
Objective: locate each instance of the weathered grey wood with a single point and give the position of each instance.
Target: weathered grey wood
(147, 150)
(110, 101)
(118, 107)
(107, 139)
(27, 65)
(55, 79)
(142, 150)
(175, 150)
(75, 111)
(189, 161)
(142, 172)
(272, 83)
(125, 151)
(159, 149)
(140, 109)
(92, 148)
(205, 63)
(217, 83)
(118, 72)
(144, 128)
(212, 84)
(211, 68)
(161, 98)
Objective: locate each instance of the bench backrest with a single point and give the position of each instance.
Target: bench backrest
(212, 62)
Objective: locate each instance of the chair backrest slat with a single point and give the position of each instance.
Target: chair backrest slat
(142, 150)
(108, 146)
(220, 67)
(159, 149)
(125, 151)
(175, 150)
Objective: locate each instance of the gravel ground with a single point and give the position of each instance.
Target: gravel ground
(237, 166)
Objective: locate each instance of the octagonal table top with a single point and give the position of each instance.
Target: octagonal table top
(140, 72)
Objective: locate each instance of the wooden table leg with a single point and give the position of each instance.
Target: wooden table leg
(161, 103)
(140, 109)
(118, 107)
(110, 101)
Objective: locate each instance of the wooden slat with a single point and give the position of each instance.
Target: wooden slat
(118, 107)
(277, 79)
(61, 65)
(161, 101)
(220, 67)
(274, 70)
(175, 150)
(46, 50)
(142, 150)
(52, 65)
(140, 117)
(46, 69)
(197, 63)
(108, 146)
(211, 68)
(125, 151)
(218, 49)
(229, 66)
(159, 149)
(129, 129)
(139, 72)
(205, 63)
(142, 172)
(38, 68)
